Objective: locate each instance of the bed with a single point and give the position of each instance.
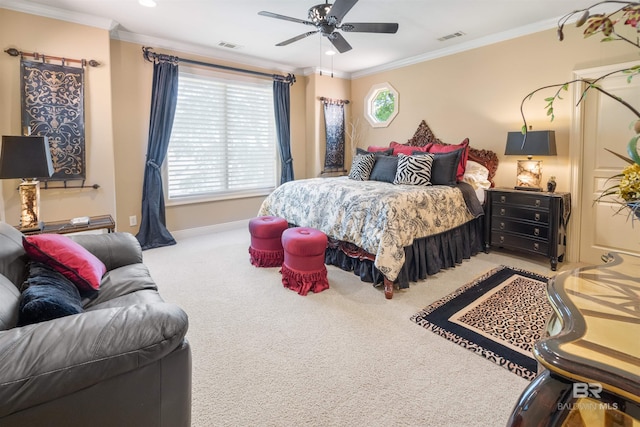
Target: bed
(390, 234)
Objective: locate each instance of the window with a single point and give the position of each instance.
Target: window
(381, 105)
(223, 140)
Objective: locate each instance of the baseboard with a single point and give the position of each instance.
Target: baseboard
(214, 228)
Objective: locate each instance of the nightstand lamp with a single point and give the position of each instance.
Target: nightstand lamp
(27, 158)
(537, 143)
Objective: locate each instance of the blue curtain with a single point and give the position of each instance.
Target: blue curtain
(282, 108)
(153, 231)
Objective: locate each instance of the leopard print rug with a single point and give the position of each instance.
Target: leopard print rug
(499, 316)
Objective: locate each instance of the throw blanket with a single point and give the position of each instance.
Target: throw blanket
(379, 217)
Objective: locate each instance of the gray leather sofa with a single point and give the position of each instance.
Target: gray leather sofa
(124, 361)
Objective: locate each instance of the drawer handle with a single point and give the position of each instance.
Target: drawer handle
(501, 239)
(536, 247)
(502, 226)
(537, 216)
(538, 203)
(536, 231)
(503, 199)
(502, 211)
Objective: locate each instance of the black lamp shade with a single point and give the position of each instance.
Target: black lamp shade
(25, 157)
(538, 143)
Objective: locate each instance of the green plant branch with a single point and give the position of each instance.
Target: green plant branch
(591, 84)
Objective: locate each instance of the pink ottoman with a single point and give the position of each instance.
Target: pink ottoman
(266, 244)
(303, 269)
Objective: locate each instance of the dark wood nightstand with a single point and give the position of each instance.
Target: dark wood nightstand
(534, 222)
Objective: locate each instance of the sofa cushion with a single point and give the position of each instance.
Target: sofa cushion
(48, 295)
(121, 287)
(13, 259)
(64, 255)
(9, 301)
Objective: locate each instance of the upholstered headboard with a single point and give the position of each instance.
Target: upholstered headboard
(487, 158)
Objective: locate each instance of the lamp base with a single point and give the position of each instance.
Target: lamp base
(528, 188)
(31, 227)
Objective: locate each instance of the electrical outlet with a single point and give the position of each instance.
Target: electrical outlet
(133, 221)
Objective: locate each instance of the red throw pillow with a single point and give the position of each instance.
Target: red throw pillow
(376, 149)
(65, 256)
(462, 166)
(407, 149)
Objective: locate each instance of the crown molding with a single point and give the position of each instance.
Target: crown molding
(59, 14)
(208, 52)
(462, 47)
(325, 72)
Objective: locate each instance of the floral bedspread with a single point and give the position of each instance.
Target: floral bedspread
(379, 217)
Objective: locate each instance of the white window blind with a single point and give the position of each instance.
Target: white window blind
(223, 141)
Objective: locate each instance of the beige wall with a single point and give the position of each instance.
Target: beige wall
(477, 94)
(473, 94)
(318, 87)
(132, 80)
(31, 33)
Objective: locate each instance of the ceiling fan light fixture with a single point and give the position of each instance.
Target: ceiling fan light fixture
(318, 13)
(326, 18)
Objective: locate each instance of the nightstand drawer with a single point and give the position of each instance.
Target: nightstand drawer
(522, 199)
(540, 231)
(538, 216)
(524, 243)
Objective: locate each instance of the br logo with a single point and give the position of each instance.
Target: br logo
(587, 390)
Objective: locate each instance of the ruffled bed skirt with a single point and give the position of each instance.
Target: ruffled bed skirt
(426, 256)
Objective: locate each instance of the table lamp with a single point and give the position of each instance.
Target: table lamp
(27, 158)
(537, 143)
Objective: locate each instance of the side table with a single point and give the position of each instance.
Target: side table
(100, 222)
(590, 360)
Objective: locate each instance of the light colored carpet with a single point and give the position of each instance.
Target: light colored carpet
(265, 356)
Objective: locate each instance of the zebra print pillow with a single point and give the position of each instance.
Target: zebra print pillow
(361, 166)
(414, 170)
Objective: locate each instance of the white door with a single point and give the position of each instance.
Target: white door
(606, 124)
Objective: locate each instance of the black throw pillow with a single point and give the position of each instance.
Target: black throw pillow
(384, 169)
(48, 295)
(444, 168)
(387, 152)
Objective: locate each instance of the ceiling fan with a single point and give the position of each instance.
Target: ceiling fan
(327, 18)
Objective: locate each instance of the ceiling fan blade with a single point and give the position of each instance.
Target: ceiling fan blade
(339, 9)
(296, 38)
(369, 27)
(339, 42)
(286, 18)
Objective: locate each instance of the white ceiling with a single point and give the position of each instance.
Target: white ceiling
(198, 26)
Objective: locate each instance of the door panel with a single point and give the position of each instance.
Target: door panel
(606, 124)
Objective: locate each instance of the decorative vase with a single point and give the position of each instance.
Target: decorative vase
(551, 184)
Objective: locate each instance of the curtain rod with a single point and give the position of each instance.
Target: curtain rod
(334, 101)
(40, 56)
(153, 56)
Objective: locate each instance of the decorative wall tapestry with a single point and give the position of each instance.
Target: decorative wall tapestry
(334, 127)
(53, 106)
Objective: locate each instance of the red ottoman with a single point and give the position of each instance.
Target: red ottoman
(266, 244)
(303, 269)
